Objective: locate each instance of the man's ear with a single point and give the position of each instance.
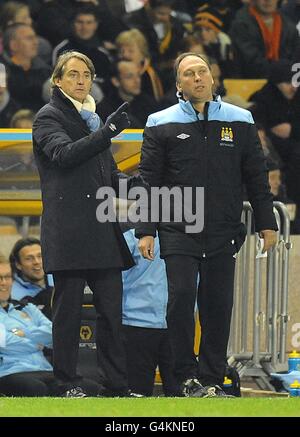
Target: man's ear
(57, 82)
(115, 81)
(178, 87)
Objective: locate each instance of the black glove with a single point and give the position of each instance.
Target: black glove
(117, 121)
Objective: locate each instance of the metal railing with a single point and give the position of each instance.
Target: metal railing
(257, 344)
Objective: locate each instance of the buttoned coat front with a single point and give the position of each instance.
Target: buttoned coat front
(73, 164)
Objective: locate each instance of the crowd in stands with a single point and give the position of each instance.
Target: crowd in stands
(133, 52)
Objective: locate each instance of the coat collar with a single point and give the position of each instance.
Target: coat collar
(62, 102)
(214, 106)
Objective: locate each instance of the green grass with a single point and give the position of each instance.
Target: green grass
(150, 407)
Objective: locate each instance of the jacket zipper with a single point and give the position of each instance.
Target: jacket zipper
(205, 131)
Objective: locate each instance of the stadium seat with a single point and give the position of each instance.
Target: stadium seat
(8, 230)
(243, 87)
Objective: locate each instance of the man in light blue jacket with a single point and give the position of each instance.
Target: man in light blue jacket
(24, 333)
(30, 284)
(145, 295)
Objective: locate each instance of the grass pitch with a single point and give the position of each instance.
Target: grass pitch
(149, 407)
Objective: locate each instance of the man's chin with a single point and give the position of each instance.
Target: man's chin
(35, 279)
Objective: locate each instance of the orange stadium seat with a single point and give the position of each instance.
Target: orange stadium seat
(243, 87)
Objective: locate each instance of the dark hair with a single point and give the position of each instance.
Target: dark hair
(115, 70)
(185, 55)
(14, 254)
(85, 9)
(62, 61)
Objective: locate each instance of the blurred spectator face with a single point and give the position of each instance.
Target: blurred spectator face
(23, 16)
(194, 80)
(287, 90)
(85, 26)
(25, 123)
(275, 181)
(162, 14)
(76, 80)
(265, 7)
(5, 282)
(24, 43)
(207, 35)
(129, 80)
(30, 263)
(131, 52)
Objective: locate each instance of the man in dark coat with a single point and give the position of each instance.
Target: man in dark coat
(261, 35)
(74, 161)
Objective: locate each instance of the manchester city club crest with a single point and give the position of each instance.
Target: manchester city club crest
(226, 137)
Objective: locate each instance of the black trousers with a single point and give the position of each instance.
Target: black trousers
(106, 286)
(39, 383)
(147, 348)
(215, 298)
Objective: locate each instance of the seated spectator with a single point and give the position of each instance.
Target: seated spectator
(220, 9)
(22, 119)
(55, 16)
(126, 80)
(277, 108)
(275, 182)
(17, 12)
(30, 284)
(209, 29)
(145, 295)
(132, 45)
(162, 30)
(26, 73)
(261, 35)
(21, 157)
(24, 333)
(84, 39)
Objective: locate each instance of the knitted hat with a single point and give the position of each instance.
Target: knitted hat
(208, 19)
